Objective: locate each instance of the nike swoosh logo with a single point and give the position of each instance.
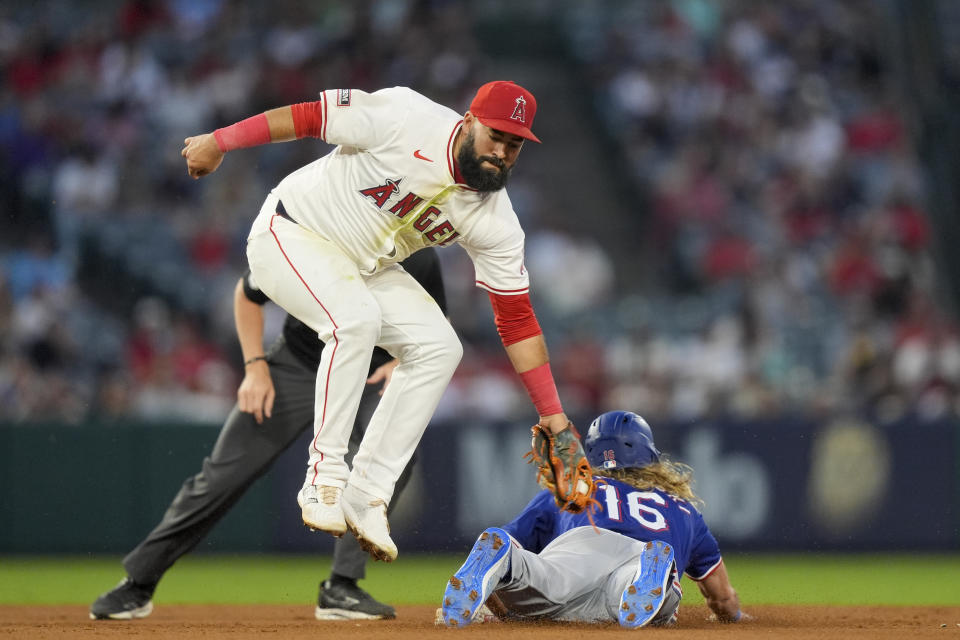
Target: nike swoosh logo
(416, 154)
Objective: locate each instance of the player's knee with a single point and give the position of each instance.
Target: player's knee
(449, 351)
(441, 352)
(363, 329)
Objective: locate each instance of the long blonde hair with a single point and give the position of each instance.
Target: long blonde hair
(674, 478)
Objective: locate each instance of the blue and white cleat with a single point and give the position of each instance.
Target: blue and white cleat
(472, 584)
(643, 598)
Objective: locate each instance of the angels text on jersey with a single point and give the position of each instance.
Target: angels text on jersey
(426, 218)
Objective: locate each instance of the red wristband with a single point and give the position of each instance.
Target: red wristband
(251, 132)
(542, 390)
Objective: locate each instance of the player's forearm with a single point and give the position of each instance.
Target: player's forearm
(528, 354)
(727, 609)
(248, 318)
(280, 121)
(531, 361)
(720, 595)
(275, 125)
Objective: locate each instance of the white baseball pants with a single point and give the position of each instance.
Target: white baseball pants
(312, 279)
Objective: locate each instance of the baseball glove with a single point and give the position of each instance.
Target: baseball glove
(562, 467)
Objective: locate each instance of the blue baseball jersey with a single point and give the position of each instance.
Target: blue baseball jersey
(643, 515)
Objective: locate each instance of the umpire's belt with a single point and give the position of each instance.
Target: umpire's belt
(282, 212)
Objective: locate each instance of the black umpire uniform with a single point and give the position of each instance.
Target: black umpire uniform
(245, 450)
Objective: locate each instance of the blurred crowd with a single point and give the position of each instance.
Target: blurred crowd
(787, 232)
(784, 266)
(116, 269)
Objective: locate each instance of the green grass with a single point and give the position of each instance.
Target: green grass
(892, 579)
(851, 579)
(218, 578)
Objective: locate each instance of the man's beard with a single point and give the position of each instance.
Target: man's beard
(475, 174)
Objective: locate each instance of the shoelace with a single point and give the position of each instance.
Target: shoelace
(328, 495)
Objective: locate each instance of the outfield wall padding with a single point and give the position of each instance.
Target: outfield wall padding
(787, 484)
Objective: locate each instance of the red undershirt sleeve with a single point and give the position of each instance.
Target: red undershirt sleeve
(308, 119)
(514, 317)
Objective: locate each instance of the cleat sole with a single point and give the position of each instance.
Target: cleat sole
(476, 579)
(643, 598)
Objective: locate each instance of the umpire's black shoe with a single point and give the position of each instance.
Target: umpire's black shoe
(126, 601)
(344, 601)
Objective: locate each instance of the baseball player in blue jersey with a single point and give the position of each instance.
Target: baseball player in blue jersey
(620, 561)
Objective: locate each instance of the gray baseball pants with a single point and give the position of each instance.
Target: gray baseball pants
(580, 576)
(243, 452)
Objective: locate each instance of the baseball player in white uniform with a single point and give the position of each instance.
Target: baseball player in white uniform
(407, 173)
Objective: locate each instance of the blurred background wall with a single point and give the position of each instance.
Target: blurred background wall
(741, 224)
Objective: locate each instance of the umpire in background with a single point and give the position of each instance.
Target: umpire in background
(275, 404)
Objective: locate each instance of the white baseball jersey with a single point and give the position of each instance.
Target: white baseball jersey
(388, 189)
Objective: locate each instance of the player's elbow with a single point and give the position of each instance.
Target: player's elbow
(239, 296)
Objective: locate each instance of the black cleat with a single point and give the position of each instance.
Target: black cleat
(349, 602)
(126, 601)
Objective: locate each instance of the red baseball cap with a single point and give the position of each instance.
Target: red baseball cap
(506, 106)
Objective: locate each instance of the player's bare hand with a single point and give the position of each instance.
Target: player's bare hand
(744, 617)
(256, 392)
(202, 154)
(383, 373)
(556, 423)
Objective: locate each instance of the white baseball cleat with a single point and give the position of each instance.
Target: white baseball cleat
(366, 517)
(321, 509)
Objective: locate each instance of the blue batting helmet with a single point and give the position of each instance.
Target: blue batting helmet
(618, 439)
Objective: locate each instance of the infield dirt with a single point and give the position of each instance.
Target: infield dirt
(239, 622)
